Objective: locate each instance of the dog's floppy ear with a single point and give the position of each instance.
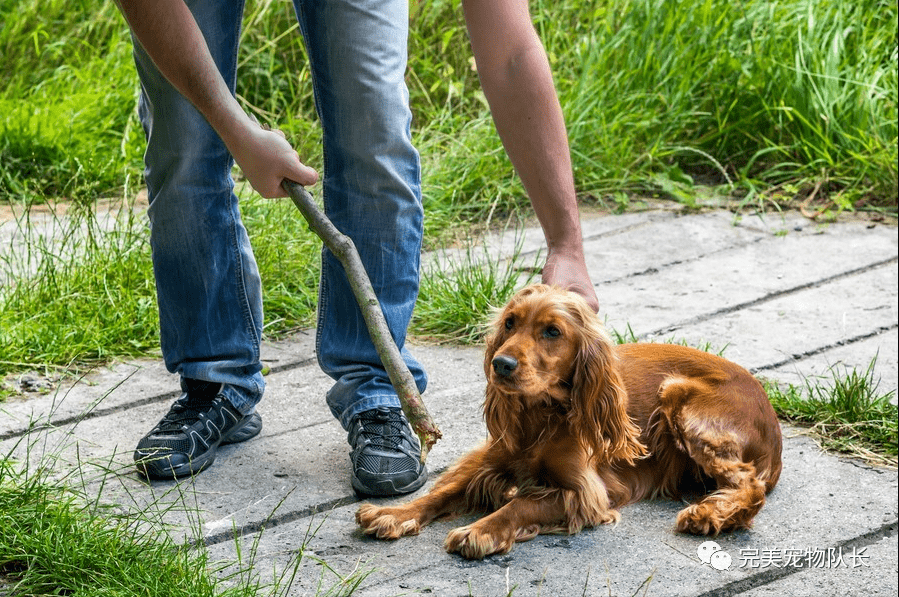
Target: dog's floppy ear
(598, 397)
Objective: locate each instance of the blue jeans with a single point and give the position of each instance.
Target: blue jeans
(208, 285)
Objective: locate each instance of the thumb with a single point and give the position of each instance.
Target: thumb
(301, 174)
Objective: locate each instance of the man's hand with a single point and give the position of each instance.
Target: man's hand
(266, 159)
(569, 271)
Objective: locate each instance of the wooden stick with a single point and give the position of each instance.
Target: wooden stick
(343, 248)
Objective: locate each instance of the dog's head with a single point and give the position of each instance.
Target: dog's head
(549, 349)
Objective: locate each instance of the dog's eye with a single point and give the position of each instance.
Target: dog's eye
(552, 331)
(509, 323)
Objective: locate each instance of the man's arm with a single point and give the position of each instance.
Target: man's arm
(517, 81)
(168, 32)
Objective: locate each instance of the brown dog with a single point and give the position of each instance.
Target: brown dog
(580, 427)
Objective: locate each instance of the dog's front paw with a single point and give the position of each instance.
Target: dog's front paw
(474, 542)
(386, 523)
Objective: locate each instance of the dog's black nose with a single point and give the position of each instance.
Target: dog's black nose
(504, 365)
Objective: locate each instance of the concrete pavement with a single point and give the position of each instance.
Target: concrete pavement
(783, 296)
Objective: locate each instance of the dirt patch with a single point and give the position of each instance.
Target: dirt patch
(55, 209)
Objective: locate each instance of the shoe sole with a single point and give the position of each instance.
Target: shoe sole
(387, 487)
(156, 467)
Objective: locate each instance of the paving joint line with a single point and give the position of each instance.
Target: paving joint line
(654, 269)
(271, 521)
(769, 297)
(649, 270)
(822, 349)
(93, 413)
(400, 576)
(596, 236)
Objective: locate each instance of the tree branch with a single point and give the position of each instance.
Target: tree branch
(343, 248)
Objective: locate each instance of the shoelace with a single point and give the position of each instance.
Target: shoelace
(382, 429)
(188, 409)
(181, 414)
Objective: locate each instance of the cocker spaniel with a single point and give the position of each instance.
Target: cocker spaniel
(579, 427)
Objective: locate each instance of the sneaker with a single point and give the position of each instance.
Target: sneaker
(386, 453)
(186, 440)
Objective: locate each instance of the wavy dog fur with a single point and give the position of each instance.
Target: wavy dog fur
(579, 427)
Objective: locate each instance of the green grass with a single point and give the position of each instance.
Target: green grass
(628, 336)
(58, 536)
(845, 411)
(779, 97)
(458, 298)
(54, 541)
(79, 294)
(67, 101)
(51, 544)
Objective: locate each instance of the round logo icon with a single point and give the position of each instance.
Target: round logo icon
(720, 560)
(711, 553)
(706, 550)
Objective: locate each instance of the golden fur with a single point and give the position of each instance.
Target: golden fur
(579, 427)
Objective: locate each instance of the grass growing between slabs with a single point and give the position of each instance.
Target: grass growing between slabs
(460, 292)
(58, 537)
(52, 544)
(78, 290)
(845, 411)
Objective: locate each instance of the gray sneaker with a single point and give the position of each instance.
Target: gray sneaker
(386, 453)
(187, 438)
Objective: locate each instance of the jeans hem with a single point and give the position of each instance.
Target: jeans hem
(364, 404)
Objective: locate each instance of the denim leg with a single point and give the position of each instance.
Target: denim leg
(207, 282)
(371, 187)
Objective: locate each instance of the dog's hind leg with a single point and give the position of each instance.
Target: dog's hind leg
(739, 498)
(710, 427)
